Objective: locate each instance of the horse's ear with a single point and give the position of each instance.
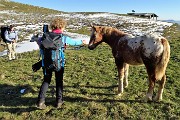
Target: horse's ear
(91, 25)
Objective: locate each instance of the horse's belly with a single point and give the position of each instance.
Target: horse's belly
(134, 63)
(133, 60)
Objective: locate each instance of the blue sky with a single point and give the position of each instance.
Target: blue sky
(165, 9)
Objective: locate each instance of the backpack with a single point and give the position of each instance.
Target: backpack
(3, 30)
(52, 51)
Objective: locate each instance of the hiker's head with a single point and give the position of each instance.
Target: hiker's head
(11, 27)
(58, 23)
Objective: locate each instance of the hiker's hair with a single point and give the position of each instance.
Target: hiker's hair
(58, 23)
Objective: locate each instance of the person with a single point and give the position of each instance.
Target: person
(57, 25)
(11, 39)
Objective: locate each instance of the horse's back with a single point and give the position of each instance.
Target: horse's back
(140, 47)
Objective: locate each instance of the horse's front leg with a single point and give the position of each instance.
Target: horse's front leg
(120, 67)
(126, 72)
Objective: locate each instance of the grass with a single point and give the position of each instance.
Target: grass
(90, 85)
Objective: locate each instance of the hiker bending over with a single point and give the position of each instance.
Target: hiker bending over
(11, 39)
(52, 46)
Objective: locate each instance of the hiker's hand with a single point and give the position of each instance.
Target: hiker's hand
(84, 42)
(13, 40)
(36, 66)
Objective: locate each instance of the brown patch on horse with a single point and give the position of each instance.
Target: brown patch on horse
(126, 53)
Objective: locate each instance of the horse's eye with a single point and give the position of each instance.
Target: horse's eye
(94, 36)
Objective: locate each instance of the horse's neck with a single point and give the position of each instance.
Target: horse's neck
(113, 39)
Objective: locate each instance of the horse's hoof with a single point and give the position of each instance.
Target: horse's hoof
(147, 99)
(125, 85)
(119, 94)
(156, 99)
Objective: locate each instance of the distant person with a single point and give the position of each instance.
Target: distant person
(57, 26)
(11, 39)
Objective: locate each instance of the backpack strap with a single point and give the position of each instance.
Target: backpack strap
(53, 55)
(59, 60)
(63, 58)
(42, 55)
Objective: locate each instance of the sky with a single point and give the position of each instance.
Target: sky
(165, 9)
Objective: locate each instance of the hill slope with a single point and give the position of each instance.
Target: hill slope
(90, 85)
(90, 80)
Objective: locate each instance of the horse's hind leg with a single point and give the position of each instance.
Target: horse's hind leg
(126, 72)
(152, 80)
(150, 89)
(160, 89)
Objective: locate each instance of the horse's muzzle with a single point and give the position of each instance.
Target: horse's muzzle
(91, 47)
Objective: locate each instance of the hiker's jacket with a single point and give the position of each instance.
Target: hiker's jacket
(71, 41)
(68, 40)
(11, 36)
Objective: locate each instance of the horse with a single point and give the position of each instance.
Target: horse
(150, 50)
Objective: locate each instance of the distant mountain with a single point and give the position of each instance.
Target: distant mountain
(172, 21)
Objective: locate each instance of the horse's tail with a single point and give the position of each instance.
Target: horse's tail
(162, 65)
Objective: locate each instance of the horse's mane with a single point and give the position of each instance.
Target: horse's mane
(110, 30)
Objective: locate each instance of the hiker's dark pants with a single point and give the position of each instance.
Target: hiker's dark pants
(46, 82)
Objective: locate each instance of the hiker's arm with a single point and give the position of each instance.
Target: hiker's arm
(7, 36)
(71, 41)
(16, 36)
(37, 66)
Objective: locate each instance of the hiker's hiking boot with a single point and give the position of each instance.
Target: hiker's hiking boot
(59, 104)
(41, 105)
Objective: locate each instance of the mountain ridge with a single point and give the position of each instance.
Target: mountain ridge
(173, 21)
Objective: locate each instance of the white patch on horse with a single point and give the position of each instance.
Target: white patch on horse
(134, 42)
(152, 46)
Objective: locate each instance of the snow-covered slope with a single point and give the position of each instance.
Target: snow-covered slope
(131, 25)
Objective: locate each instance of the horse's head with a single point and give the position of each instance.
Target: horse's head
(96, 37)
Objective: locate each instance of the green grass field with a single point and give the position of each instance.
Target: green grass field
(90, 85)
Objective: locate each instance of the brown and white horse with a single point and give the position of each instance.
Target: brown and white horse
(150, 50)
